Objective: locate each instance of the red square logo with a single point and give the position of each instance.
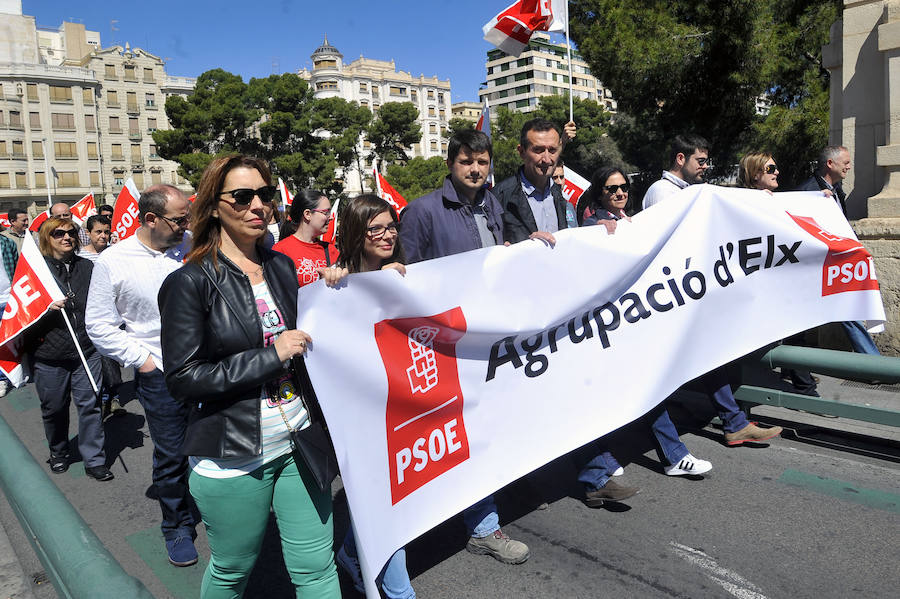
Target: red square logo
(848, 265)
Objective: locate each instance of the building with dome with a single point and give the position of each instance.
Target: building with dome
(371, 83)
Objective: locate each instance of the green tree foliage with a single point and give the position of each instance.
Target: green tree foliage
(393, 131)
(418, 176)
(457, 124)
(685, 66)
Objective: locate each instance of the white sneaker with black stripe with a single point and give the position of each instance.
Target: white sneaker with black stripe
(688, 465)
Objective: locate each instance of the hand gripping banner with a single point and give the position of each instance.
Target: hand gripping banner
(443, 386)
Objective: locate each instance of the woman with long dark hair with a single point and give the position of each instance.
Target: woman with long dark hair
(368, 239)
(231, 352)
(58, 370)
(310, 212)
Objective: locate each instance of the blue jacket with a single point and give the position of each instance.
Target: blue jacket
(439, 224)
(817, 183)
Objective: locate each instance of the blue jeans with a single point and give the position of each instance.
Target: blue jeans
(859, 338)
(481, 519)
(717, 387)
(394, 577)
(167, 421)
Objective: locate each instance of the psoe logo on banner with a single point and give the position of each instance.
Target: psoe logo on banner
(848, 265)
(426, 433)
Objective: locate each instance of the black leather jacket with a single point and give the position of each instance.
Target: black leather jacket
(213, 354)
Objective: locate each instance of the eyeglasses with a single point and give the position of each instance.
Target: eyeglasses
(321, 210)
(181, 221)
(60, 233)
(378, 231)
(703, 161)
(770, 169)
(613, 189)
(244, 197)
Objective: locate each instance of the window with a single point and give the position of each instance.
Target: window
(490, 70)
(363, 88)
(431, 111)
(432, 128)
(523, 75)
(62, 120)
(326, 85)
(138, 180)
(117, 151)
(440, 98)
(376, 91)
(114, 126)
(442, 114)
(133, 127)
(153, 153)
(4, 180)
(15, 118)
(112, 99)
(148, 76)
(500, 80)
(87, 96)
(444, 147)
(396, 90)
(39, 180)
(129, 73)
(434, 145)
(90, 123)
(131, 104)
(151, 125)
(34, 120)
(364, 103)
(325, 64)
(32, 91)
(69, 179)
(504, 66)
(136, 154)
(118, 180)
(64, 149)
(2, 147)
(95, 179)
(18, 149)
(431, 94)
(413, 95)
(156, 177)
(60, 94)
(521, 103)
(523, 62)
(37, 149)
(522, 89)
(92, 149)
(150, 100)
(109, 71)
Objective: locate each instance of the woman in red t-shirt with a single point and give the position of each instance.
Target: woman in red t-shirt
(310, 211)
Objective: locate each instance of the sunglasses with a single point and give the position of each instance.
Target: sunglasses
(378, 231)
(60, 233)
(612, 189)
(244, 197)
(770, 169)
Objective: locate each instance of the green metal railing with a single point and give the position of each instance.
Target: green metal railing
(77, 563)
(846, 365)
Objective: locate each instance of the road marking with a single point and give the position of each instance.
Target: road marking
(732, 582)
(874, 498)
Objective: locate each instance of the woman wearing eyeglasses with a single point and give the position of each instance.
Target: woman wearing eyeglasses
(58, 370)
(310, 212)
(757, 170)
(228, 343)
(369, 240)
(606, 198)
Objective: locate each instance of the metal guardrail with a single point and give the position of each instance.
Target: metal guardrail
(77, 563)
(846, 365)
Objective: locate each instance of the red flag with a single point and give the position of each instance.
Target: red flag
(4, 219)
(286, 198)
(574, 187)
(39, 220)
(11, 362)
(83, 208)
(511, 30)
(330, 235)
(192, 198)
(33, 290)
(125, 215)
(388, 193)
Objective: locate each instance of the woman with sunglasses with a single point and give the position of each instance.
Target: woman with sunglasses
(757, 170)
(58, 370)
(368, 240)
(229, 347)
(310, 211)
(606, 198)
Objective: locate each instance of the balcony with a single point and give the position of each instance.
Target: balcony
(113, 105)
(133, 108)
(16, 70)
(116, 130)
(150, 105)
(134, 136)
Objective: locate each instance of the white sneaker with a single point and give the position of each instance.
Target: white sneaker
(4, 388)
(351, 566)
(618, 471)
(688, 465)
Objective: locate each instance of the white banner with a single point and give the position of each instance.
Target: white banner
(443, 386)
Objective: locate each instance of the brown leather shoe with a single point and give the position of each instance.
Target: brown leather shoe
(752, 433)
(611, 491)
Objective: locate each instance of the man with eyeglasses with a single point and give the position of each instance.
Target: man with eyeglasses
(124, 288)
(688, 162)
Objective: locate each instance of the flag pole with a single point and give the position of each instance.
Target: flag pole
(80, 353)
(571, 80)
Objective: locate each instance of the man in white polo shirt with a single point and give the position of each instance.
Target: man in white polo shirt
(124, 286)
(688, 161)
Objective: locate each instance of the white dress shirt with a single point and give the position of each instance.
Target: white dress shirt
(126, 280)
(667, 186)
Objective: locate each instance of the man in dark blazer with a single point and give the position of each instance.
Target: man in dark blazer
(833, 166)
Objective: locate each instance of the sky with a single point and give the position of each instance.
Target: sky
(256, 39)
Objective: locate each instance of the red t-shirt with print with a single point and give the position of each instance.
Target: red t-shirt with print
(307, 257)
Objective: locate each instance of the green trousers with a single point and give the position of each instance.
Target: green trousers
(236, 511)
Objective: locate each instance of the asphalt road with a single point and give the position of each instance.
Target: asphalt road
(813, 514)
